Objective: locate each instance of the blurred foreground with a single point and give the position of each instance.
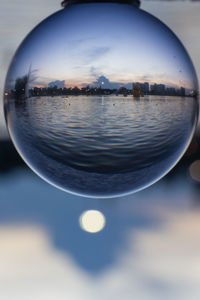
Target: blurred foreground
(149, 248)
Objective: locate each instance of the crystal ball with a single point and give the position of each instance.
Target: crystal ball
(101, 99)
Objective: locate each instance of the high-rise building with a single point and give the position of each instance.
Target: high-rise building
(182, 91)
(161, 89)
(146, 87)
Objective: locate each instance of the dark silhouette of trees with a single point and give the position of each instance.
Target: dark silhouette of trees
(20, 87)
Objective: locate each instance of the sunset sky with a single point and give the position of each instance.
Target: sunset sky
(79, 49)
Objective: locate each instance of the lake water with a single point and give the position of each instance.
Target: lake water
(102, 145)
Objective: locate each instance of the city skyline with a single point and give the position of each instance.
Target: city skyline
(104, 82)
(22, 89)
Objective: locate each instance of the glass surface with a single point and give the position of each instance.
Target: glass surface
(101, 99)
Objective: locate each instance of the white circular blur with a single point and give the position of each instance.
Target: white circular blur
(92, 221)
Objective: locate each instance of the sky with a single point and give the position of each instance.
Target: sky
(123, 45)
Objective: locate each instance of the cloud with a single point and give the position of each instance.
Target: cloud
(95, 72)
(58, 83)
(162, 263)
(159, 263)
(105, 83)
(91, 55)
(98, 52)
(32, 269)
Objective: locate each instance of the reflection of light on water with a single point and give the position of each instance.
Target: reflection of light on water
(92, 221)
(195, 170)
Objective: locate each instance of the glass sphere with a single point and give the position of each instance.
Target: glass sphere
(101, 99)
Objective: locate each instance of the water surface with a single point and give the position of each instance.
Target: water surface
(102, 145)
